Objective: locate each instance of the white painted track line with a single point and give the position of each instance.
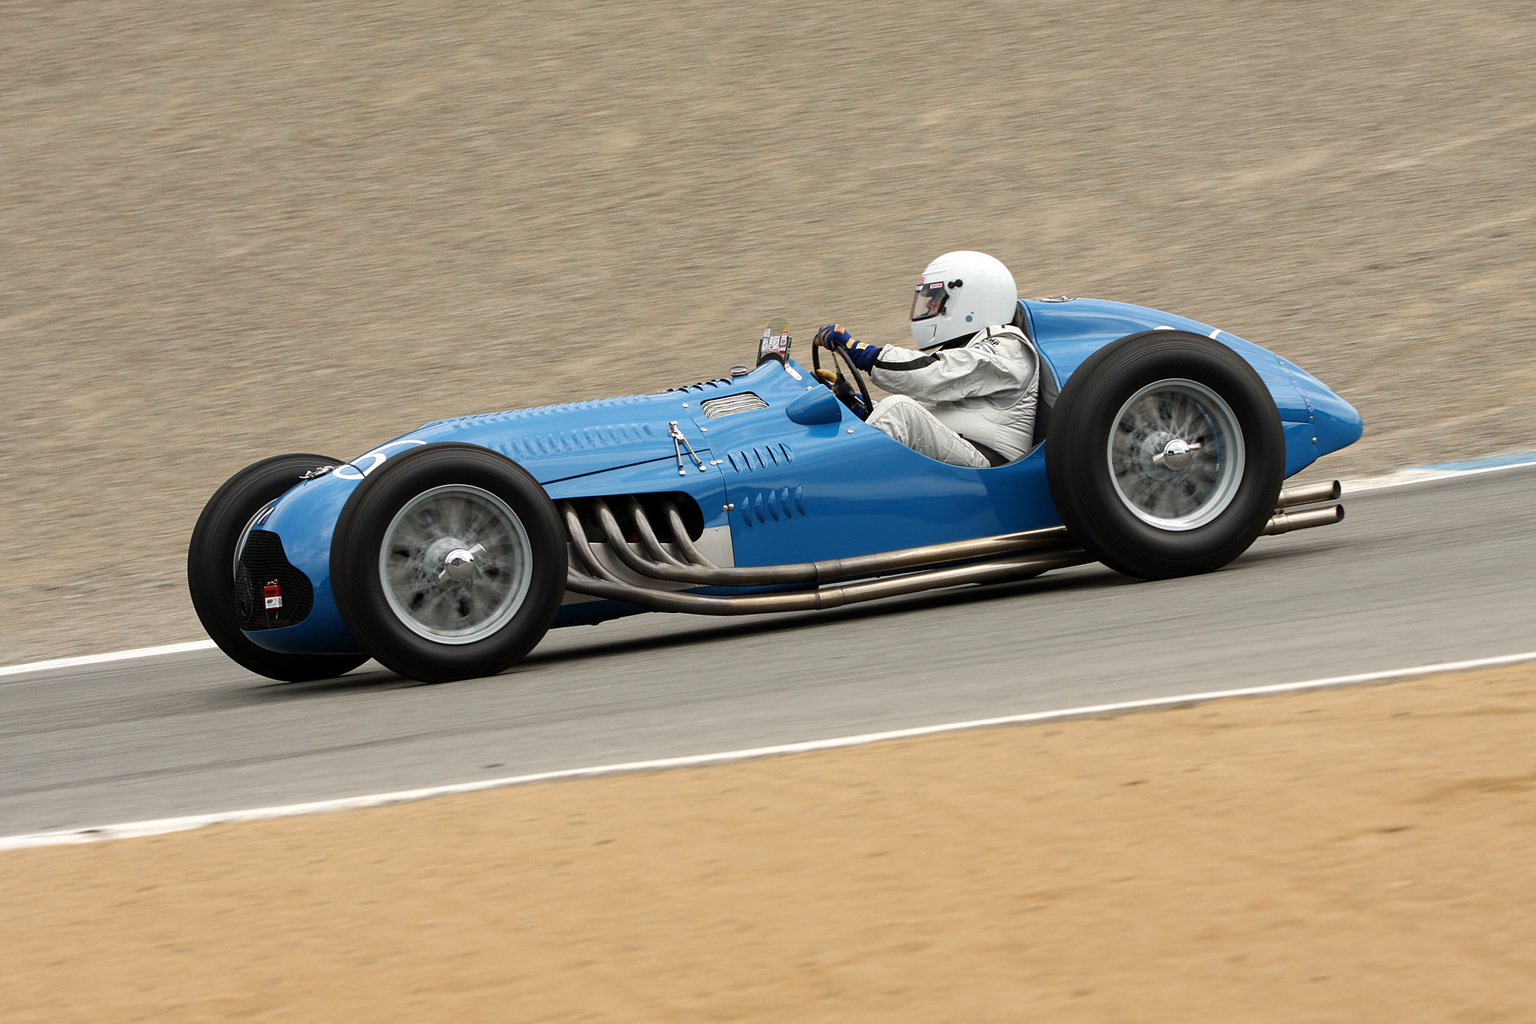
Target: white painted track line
(162, 826)
(102, 659)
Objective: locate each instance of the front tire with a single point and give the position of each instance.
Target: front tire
(448, 562)
(211, 557)
(1166, 455)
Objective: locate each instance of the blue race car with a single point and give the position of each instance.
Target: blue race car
(1161, 445)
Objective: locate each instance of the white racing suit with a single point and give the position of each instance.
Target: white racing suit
(969, 403)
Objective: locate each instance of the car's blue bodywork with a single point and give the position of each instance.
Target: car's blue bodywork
(798, 479)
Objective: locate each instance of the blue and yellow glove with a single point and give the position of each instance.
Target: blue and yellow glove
(833, 336)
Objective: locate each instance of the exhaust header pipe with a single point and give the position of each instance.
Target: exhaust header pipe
(1008, 556)
(1050, 540)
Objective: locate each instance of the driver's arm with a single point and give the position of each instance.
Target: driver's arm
(986, 366)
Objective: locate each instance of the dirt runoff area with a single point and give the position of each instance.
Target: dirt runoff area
(238, 230)
(1358, 855)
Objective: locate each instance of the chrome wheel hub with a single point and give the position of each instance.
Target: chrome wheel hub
(456, 564)
(459, 566)
(1176, 454)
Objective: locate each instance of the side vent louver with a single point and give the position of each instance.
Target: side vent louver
(771, 506)
(762, 457)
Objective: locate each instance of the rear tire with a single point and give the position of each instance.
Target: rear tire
(211, 569)
(448, 562)
(1166, 454)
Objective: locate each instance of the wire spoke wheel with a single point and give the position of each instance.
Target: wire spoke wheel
(448, 562)
(1176, 454)
(1166, 454)
(456, 564)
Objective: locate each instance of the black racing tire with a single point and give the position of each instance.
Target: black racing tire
(1210, 422)
(423, 517)
(211, 569)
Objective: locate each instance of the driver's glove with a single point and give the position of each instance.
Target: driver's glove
(862, 355)
(832, 336)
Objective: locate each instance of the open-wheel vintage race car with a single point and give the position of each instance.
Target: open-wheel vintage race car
(1161, 446)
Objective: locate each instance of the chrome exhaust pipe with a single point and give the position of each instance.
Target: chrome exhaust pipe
(1007, 556)
(648, 537)
(1286, 522)
(592, 565)
(683, 541)
(1308, 494)
(1052, 540)
(827, 597)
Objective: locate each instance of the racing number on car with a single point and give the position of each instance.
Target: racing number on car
(369, 461)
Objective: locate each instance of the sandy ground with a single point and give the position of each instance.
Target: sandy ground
(232, 231)
(1359, 855)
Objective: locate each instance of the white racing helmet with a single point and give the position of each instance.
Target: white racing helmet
(961, 293)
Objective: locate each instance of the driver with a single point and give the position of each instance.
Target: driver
(967, 396)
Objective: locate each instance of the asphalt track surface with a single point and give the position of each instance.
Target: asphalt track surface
(1430, 573)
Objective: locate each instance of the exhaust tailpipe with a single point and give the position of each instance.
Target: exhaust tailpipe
(1309, 494)
(1286, 522)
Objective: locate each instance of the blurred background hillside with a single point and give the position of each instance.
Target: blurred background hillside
(234, 230)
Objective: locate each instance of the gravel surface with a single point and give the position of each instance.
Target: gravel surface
(312, 226)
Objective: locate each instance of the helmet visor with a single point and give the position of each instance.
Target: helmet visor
(929, 300)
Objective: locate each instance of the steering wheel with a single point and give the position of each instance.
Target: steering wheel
(859, 403)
